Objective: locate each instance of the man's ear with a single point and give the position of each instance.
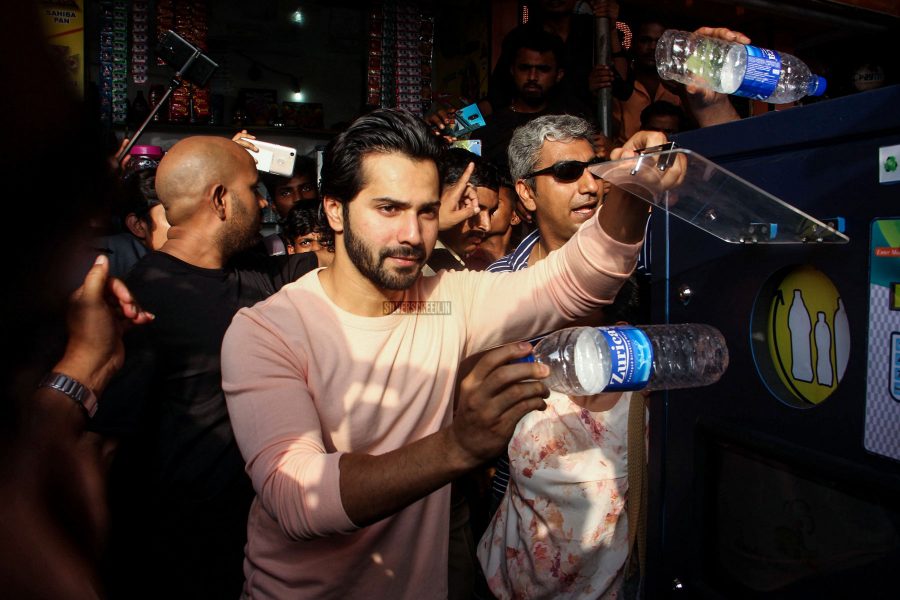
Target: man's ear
(526, 195)
(218, 199)
(560, 73)
(334, 212)
(137, 226)
(514, 219)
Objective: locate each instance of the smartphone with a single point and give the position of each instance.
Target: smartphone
(272, 158)
(176, 51)
(473, 146)
(468, 119)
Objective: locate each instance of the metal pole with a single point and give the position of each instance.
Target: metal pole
(602, 55)
(174, 84)
(176, 81)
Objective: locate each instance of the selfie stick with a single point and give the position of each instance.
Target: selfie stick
(176, 81)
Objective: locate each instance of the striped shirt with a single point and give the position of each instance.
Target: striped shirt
(518, 258)
(514, 261)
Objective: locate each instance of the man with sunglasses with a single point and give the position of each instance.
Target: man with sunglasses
(549, 161)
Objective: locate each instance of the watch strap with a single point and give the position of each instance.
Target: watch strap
(74, 389)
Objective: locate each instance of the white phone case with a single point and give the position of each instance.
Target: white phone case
(272, 158)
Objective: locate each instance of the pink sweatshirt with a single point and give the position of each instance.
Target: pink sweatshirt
(307, 381)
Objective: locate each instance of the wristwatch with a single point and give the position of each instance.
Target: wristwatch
(72, 388)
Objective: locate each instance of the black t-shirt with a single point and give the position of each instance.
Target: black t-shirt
(179, 495)
(442, 258)
(578, 62)
(167, 401)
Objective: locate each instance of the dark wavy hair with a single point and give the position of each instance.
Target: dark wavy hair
(385, 131)
(533, 36)
(304, 166)
(302, 220)
(454, 163)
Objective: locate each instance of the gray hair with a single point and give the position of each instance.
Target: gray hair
(525, 146)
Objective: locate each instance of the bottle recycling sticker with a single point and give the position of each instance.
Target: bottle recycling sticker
(801, 336)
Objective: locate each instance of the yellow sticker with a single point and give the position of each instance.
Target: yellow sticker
(808, 334)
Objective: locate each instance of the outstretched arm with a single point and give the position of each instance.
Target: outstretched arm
(573, 281)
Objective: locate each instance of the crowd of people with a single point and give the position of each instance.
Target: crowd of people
(337, 410)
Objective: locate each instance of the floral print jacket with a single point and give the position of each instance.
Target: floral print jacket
(561, 531)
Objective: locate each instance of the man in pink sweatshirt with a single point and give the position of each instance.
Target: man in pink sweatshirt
(340, 387)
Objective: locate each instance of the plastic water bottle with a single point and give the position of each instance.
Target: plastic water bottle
(589, 360)
(732, 68)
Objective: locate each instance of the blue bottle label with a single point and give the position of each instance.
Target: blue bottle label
(631, 358)
(763, 72)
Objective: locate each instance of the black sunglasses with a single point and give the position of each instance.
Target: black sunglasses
(566, 170)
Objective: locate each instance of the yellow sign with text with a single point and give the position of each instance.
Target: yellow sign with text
(64, 26)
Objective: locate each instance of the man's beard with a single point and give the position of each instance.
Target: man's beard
(370, 262)
(244, 230)
(533, 97)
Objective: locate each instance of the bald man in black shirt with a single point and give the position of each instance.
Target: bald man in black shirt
(179, 493)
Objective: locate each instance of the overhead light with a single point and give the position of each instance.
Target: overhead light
(297, 92)
(297, 17)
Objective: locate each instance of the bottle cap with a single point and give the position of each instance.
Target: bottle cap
(154, 152)
(817, 86)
